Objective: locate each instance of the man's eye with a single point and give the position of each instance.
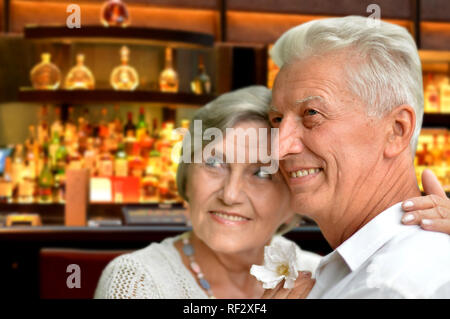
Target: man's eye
(261, 173)
(276, 120)
(311, 112)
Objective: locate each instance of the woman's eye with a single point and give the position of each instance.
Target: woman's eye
(213, 162)
(311, 112)
(261, 173)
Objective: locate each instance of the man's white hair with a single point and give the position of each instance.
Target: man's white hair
(389, 72)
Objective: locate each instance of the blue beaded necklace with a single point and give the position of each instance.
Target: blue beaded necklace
(188, 250)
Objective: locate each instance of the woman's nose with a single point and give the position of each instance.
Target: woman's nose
(232, 192)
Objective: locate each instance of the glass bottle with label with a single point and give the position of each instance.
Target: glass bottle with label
(59, 185)
(80, 77)
(105, 165)
(201, 84)
(121, 162)
(168, 78)
(124, 77)
(45, 180)
(45, 75)
(141, 125)
(114, 13)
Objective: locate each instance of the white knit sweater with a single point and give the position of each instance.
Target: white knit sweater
(157, 272)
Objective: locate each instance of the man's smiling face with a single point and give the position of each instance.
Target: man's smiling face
(328, 144)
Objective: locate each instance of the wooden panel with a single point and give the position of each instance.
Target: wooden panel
(31, 12)
(399, 9)
(435, 36)
(268, 27)
(435, 10)
(199, 4)
(1, 17)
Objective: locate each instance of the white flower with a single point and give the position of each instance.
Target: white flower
(281, 261)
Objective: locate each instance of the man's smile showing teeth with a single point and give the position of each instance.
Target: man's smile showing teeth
(304, 172)
(228, 217)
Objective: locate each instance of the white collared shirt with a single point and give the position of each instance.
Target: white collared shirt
(386, 259)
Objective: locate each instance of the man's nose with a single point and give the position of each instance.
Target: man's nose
(290, 139)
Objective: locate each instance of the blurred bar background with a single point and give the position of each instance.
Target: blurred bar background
(118, 142)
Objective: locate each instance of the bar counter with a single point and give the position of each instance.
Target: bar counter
(21, 262)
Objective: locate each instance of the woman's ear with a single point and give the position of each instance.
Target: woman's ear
(401, 125)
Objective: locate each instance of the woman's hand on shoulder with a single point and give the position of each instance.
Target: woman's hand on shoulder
(431, 212)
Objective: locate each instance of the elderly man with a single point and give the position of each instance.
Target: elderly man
(349, 105)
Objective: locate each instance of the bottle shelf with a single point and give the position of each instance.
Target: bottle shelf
(436, 120)
(110, 95)
(138, 35)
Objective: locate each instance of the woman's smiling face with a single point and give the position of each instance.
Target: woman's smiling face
(236, 207)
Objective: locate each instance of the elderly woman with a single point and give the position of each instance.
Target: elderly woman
(235, 210)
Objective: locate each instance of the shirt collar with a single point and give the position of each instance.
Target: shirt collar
(366, 241)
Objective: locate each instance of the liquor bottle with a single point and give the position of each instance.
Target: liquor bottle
(42, 131)
(118, 126)
(121, 161)
(124, 77)
(18, 166)
(59, 184)
(32, 152)
(70, 129)
(445, 95)
(73, 156)
(27, 166)
(130, 128)
(80, 77)
(431, 96)
(27, 187)
(45, 179)
(149, 189)
(114, 13)
(168, 78)
(146, 144)
(105, 162)
(45, 75)
(88, 128)
(53, 147)
(103, 129)
(90, 157)
(141, 125)
(6, 185)
(57, 126)
(201, 84)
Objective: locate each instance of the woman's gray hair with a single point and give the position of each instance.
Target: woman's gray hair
(389, 71)
(246, 104)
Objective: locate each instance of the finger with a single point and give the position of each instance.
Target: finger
(302, 290)
(270, 293)
(425, 202)
(415, 217)
(439, 225)
(431, 184)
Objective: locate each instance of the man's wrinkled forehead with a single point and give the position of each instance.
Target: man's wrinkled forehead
(299, 102)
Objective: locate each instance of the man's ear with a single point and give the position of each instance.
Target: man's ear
(401, 124)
